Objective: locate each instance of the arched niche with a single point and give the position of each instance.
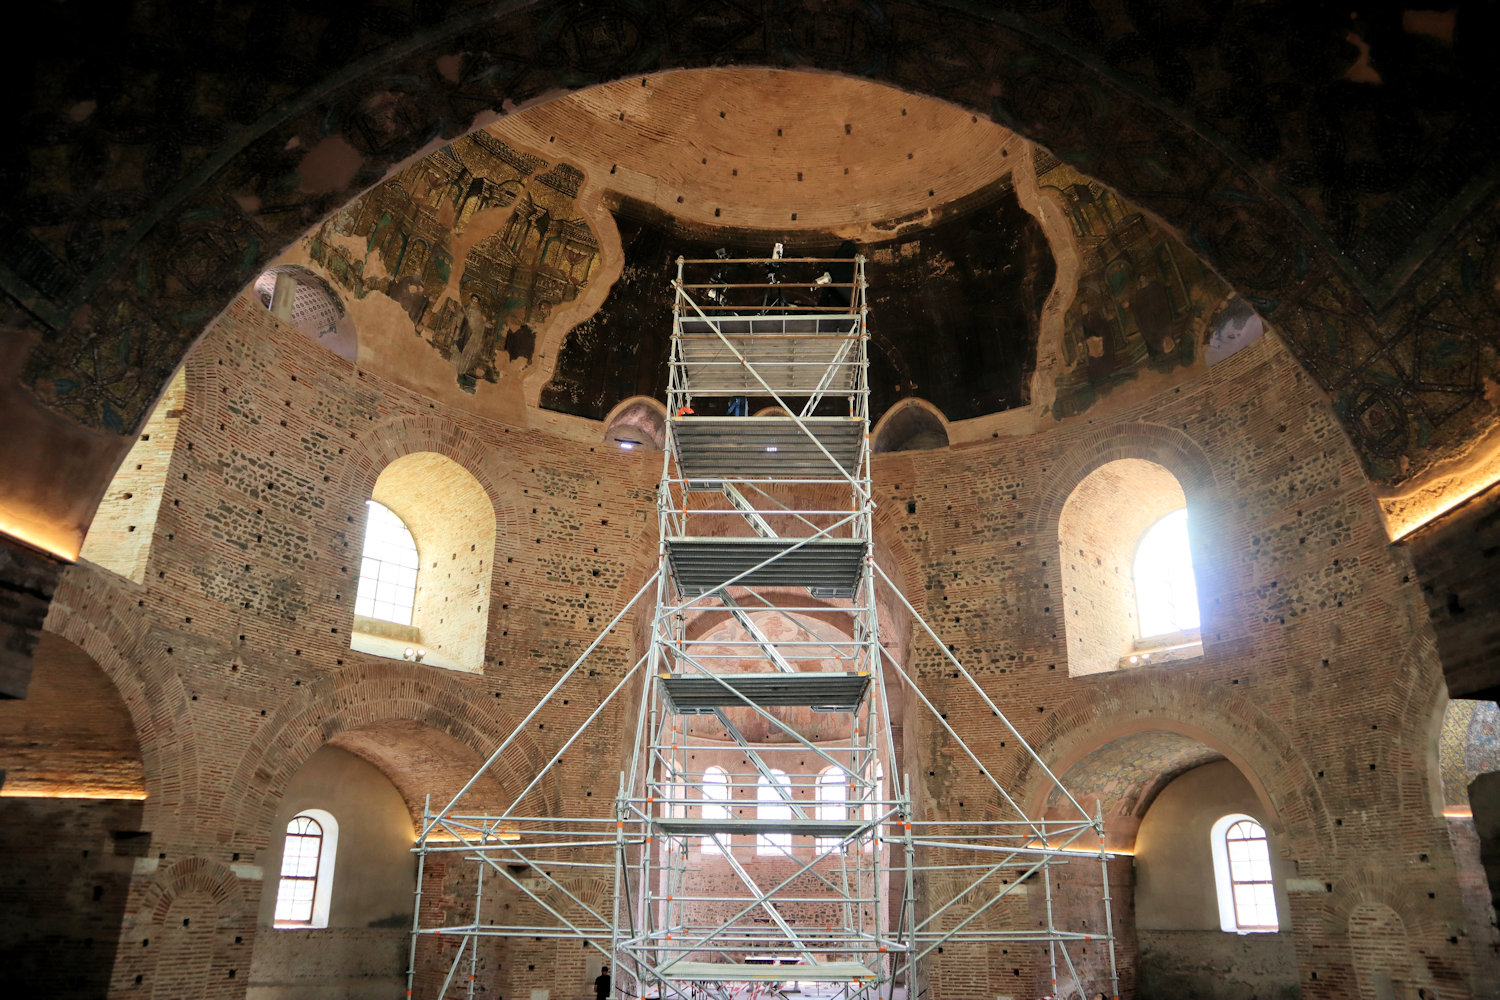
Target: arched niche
(71, 817)
(1178, 889)
(911, 425)
(307, 303)
(637, 424)
(452, 521)
(369, 901)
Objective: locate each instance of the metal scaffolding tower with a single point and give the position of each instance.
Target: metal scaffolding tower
(766, 530)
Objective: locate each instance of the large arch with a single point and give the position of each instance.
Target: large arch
(1141, 106)
(383, 699)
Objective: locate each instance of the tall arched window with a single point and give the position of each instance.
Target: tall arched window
(307, 857)
(1166, 594)
(833, 794)
(1129, 591)
(388, 572)
(771, 805)
(1243, 876)
(428, 567)
(715, 794)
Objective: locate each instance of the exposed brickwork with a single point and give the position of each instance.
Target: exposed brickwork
(120, 535)
(1318, 678)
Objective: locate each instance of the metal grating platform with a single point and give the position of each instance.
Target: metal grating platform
(793, 353)
(735, 972)
(836, 692)
(831, 829)
(704, 564)
(766, 447)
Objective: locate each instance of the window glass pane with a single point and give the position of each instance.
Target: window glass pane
(388, 569)
(770, 805)
(715, 791)
(1165, 590)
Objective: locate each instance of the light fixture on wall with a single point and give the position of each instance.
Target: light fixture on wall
(421, 653)
(626, 444)
(408, 653)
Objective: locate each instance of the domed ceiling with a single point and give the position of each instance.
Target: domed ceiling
(522, 271)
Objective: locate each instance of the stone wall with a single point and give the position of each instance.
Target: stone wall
(1318, 678)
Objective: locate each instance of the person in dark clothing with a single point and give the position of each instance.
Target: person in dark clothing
(601, 985)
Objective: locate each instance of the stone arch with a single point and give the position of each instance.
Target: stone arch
(911, 425)
(393, 695)
(1232, 726)
(639, 421)
(72, 735)
(1166, 446)
(152, 692)
(392, 439)
(186, 921)
(1182, 457)
(401, 438)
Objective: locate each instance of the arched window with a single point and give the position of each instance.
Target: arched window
(771, 805)
(1166, 594)
(1129, 590)
(715, 794)
(1243, 876)
(833, 794)
(388, 571)
(307, 856)
(428, 565)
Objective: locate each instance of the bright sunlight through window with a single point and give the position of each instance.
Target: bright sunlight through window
(388, 572)
(1166, 593)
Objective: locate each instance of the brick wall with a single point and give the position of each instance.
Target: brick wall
(120, 535)
(1318, 677)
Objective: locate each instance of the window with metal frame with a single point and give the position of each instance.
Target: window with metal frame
(297, 892)
(388, 569)
(770, 805)
(715, 794)
(833, 795)
(1243, 874)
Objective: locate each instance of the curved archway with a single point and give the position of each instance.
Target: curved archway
(636, 423)
(309, 304)
(1118, 607)
(383, 701)
(911, 425)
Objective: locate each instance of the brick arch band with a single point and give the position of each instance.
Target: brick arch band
(456, 705)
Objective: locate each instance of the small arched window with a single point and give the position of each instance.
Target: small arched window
(833, 795)
(1166, 594)
(1243, 876)
(715, 794)
(771, 805)
(388, 571)
(307, 857)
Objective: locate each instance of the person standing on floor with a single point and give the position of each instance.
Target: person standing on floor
(601, 985)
